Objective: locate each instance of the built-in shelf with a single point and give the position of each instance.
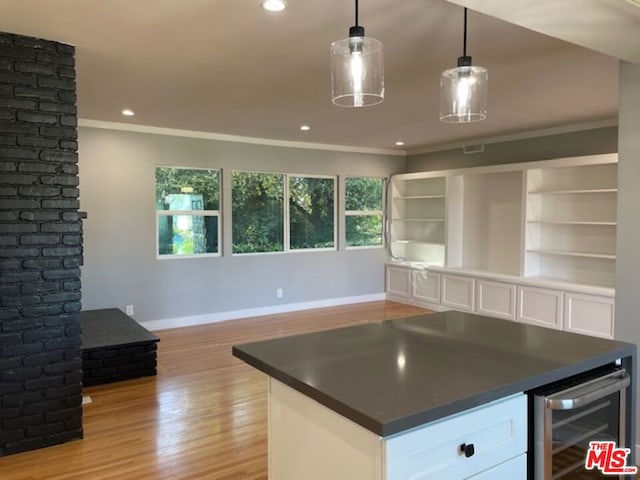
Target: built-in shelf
(567, 222)
(573, 254)
(418, 197)
(418, 242)
(576, 192)
(418, 219)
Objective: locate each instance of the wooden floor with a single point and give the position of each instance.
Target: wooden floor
(203, 417)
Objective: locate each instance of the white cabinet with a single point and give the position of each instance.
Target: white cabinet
(516, 468)
(458, 292)
(398, 281)
(589, 314)
(496, 299)
(496, 433)
(426, 286)
(309, 441)
(540, 306)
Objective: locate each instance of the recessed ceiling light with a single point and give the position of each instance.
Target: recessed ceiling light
(274, 5)
(399, 144)
(128, 113)
(305, 128)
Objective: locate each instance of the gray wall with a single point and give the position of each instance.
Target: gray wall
(120, 267)
(585, 142)
(627, 325)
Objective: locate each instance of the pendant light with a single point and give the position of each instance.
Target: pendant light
(463, 90)
(357, 69)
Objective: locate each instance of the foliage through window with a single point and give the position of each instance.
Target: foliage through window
(187, 211)
(261, 223)
(363, 211)
(257, 212)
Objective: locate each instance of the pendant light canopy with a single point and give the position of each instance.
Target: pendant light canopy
(357, 69)
(463, 90)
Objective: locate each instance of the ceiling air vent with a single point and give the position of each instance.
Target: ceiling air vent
(475, 148)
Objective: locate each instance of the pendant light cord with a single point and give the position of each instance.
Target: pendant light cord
(357, 13)
(464, 41)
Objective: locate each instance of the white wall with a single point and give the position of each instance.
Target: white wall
(120, 266)
(627, 324)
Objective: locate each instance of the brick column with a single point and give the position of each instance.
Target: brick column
(40, 246)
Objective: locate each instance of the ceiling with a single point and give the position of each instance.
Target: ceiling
(229, 67)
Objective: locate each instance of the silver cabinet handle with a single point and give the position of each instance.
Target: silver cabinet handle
(588, 392)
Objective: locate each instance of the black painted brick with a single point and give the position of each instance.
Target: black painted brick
(22, 350)
(61, 58)
(22, 422)
(18, 179)
(39, 93)
(67, 133)
(7, 216)
(44, 406)
(61, 227)
(40, 216)
(44, 430)
(64, 180)
(60, 252)
(42, 287)
(42, 263)
(20, 276)
(18, 399)
(72, 240)
(17, 103)
(36, 43)
(69, 168)
(61, 204)
(8, 241)
(65, 414)
(69, 144)
(12, 204)
(15, 78)
(42, 359)
(17, 152)
(31, 67)
(37, 141)
(19, 252)
(56, 107)
(71, 284)
(32, 117)
(39, 240)
(37, 168)
(40, 310)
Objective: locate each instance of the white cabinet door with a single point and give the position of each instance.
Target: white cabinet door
(399, 281)
(496, 299)
(589, 314)
(426, 286)
(514, 469)
(540, 306)
(492, 435)
(458, 292)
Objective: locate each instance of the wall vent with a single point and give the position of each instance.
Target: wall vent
(475, 148)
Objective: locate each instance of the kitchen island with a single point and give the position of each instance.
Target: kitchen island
(396, 399)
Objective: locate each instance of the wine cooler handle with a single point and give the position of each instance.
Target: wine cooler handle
(588, 392)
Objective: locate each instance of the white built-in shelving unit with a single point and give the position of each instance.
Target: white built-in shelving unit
(418, 219)
(531, 242)
(571, 223)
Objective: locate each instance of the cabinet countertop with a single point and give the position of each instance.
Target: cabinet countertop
(398, 374)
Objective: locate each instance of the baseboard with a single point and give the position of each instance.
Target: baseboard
(178, 322)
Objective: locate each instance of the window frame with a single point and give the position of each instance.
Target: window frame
(287, 217)
(365, 213)
(191, 213)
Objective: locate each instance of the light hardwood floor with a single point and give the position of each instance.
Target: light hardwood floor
(203, 417)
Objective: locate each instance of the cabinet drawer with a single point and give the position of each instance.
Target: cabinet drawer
(399, 281)
(458, 292)
(498, 432)
(540, 306)
(426, 287)
(496, 299)
(589, 314)
(514, 469)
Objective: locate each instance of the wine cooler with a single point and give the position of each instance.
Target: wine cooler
(568, 417)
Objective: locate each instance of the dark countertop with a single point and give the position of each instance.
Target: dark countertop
(398, 374)
(110, 327)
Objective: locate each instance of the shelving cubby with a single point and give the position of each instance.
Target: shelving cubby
(571, 223)
(418, 218)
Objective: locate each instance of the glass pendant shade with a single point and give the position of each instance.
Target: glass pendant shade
(463, 94)
(357, 72)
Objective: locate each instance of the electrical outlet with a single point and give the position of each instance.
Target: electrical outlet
(129, 309)
(279, 293)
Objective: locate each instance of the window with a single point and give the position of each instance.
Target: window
(311, 212)
(263, 222)
(187, 211)
(258, 212)
(363, 211)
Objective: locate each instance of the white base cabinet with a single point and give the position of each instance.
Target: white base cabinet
(309, 441)
(540, 306)
(458, 292)
(589, 314)
(496, 299)
(560, 306)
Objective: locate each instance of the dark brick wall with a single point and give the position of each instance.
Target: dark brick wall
(40, 246)
(113, 364)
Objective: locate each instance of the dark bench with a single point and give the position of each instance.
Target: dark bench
(115, 347)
